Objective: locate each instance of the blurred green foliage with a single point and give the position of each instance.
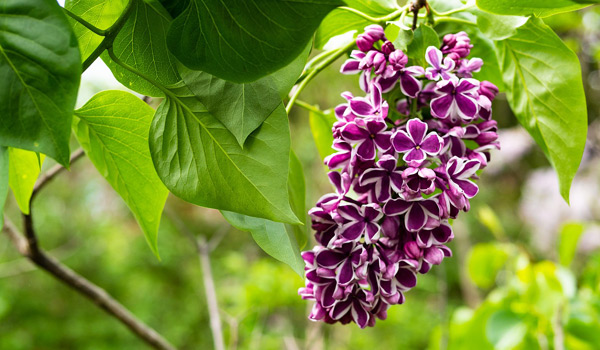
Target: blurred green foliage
(498, 291)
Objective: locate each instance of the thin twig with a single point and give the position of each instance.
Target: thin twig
(211, 293)
(55, 170)
(84, 287)
(203, 249)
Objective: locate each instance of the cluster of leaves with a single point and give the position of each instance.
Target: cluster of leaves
(220, 138)
(533, 305)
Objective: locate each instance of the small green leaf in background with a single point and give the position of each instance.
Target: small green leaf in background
(401, 38)
(200, 161)
(272, 237)
(40, 68)
(24, 169)
(142, 44)
(490, 220)
(545, 91)
(496, 27)
(484, 262)
(424, 36)
(99, 13)
(567, 244)
(505, 329)
(112, 127)
(297, 193)
(241, 41)
(340, 21)
(3, 181)
(538, 8)
(321, 125)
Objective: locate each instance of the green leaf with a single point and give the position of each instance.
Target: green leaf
(505, 329)
(424, 36)
(3, 181)
(297, 193)
(321, 125)
(200, 161)
(544, 89)
(24, 169)
(40, 69)
(285, 78)
(401, 37)
(497, 27)
(568, 239)
(538, 8)
(241, 41)
(340, 21)
(142, 44)
(99, 13)
(112, 127)
(242, 108)
(272, 237)
(484, 262)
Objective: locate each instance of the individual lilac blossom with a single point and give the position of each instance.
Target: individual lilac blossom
(368, 139)
(421, 258)
(383, 178)
(487, 92)
(342, 158)
(466, 68)
(417, 180)
(359, 222)
(341, 182)
(343, 261)
(416, 143)
(418, 214)
(436, 236)
(351, 66)
(409, 84)
(441, 68)
(456, 100)
(372, 34)
(456, 46)
(371, 106)
(458, 173)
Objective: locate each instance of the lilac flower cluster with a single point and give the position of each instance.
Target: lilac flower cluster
(399, 175)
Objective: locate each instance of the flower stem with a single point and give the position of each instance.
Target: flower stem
(85, 23)
(329, 60)
(379, 20)
(454, 20)
(308, 106)
(110, 35)
(456, 10)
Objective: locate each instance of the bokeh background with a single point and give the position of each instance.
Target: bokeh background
(525, 272)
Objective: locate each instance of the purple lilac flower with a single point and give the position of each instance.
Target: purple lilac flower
(359, 222)
(441, 68)
(397, 179)
(368, 138)
(456, 100)
(456, 46)
(415, 143)
(383, 178)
